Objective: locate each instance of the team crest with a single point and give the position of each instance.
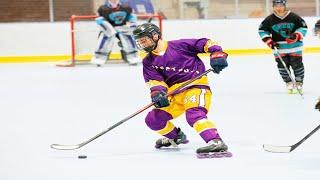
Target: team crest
(284, 29)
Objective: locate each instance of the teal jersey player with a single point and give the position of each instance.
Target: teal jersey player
(285, 30)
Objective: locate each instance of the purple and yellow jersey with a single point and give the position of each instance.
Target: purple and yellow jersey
(179, 63)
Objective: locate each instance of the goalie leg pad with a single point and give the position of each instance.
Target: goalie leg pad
(129, 50)
(103, 50)
(105, 43)
(107, 29)
(132, 57)
(128, 43)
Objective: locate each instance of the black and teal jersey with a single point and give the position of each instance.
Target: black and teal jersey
(117, 16)
(279, 28)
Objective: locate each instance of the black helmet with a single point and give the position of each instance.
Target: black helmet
(147, 30)
(274, 2)
(317, 27)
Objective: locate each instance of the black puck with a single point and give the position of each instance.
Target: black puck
(82, 156)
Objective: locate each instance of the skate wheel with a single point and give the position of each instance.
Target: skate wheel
(185, 142)
(214, 155)
(157, 146)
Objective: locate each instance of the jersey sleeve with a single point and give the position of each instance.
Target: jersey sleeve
(104, 11)
(211, 46)
(196, 46)
(153, 78)
(301, 27)
(132, 18)
(264, 31)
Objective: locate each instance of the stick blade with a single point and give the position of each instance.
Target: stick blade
(64, 147)
(277, 149)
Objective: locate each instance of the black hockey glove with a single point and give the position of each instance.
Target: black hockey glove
(317, 106)
(218, 61)
(160, 99)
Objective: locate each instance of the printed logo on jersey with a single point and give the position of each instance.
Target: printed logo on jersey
(174, 69)
(118, 17)
(284, 29)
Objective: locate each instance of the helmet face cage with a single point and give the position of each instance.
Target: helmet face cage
(145, 43)
(144, 36)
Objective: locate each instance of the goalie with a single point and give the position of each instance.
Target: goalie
(115, 21)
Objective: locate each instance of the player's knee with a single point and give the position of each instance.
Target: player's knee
(297, 66)
(195, 114)
(157, 119)
(296, 63)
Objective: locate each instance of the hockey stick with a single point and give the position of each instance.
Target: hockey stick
(150, 20)
(289, 73)
(77, 146)
(287, 149)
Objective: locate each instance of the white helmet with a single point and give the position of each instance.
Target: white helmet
(113, 3)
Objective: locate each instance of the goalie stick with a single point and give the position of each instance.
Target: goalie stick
(287, 149)
(77, 146)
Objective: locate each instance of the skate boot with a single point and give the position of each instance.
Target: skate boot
(216, 149)
(99, 58)
(166, 142)
(132, 58)
(299, 87)
(290, 88)
(97, 61)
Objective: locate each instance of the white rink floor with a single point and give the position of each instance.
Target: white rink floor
(42, 104)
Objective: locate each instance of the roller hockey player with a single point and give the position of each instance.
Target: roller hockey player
(317, 33)
(169, 64)
(285, 30)
(317, 29)
(317, 106)
(115, 21)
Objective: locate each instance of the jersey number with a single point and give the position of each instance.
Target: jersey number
(192, 99)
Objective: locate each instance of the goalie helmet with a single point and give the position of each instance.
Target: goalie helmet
(275, 2)
(112, 3)
(147, 36)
